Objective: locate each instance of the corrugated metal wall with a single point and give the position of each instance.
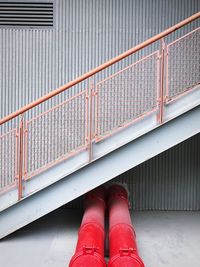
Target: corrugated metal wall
(86, 33)
(169, 181)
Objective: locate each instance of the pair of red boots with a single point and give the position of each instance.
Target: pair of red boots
(91, 237)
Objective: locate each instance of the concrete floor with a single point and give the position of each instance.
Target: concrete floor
(169, 239)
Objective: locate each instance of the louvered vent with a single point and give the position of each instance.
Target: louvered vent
(26, 14)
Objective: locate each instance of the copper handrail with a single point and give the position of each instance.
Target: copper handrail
(100, 68)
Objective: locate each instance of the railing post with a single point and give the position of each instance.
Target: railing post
(161, 87)
(20, 168)
(90, 117)
(25, 144)
(17, 156)
(166, 73)
(91, 86)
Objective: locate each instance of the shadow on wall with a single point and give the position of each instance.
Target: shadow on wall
(56, 221)
(169, 181)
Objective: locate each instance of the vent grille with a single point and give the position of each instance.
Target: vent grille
(26, 14)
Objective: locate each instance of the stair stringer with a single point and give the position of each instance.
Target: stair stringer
(100, 171)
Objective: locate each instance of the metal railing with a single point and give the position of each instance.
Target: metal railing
(116, 107)
(102, 107)
(185, 53)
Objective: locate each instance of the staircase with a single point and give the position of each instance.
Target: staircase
(126, 111)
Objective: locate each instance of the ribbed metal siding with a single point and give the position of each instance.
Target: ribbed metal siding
(86, 33)
(169, 181)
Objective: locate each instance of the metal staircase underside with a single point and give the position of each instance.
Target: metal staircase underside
(113, 156)
(116, 121)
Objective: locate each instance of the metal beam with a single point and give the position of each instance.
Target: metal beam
(100, 171)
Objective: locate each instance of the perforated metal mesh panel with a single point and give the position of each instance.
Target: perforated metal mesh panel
(56, 133)
(127, 94)
(183, 63)
(8, 156)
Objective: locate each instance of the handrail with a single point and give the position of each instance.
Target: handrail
(100, 68)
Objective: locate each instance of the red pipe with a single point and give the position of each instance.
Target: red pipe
(90, 246)
(122, 239)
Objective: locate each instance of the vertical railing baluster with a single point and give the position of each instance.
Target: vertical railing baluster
(87, 117)
(162, 74)
(96, 111)
(20, 168)
(90, 117)
(16, 156)
(167, 74)
(25, 149)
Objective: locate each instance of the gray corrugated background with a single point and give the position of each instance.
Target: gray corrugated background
(87, 33)
(169, 181)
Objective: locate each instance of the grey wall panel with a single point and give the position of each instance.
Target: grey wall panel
(169, 181)
(86, 33)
